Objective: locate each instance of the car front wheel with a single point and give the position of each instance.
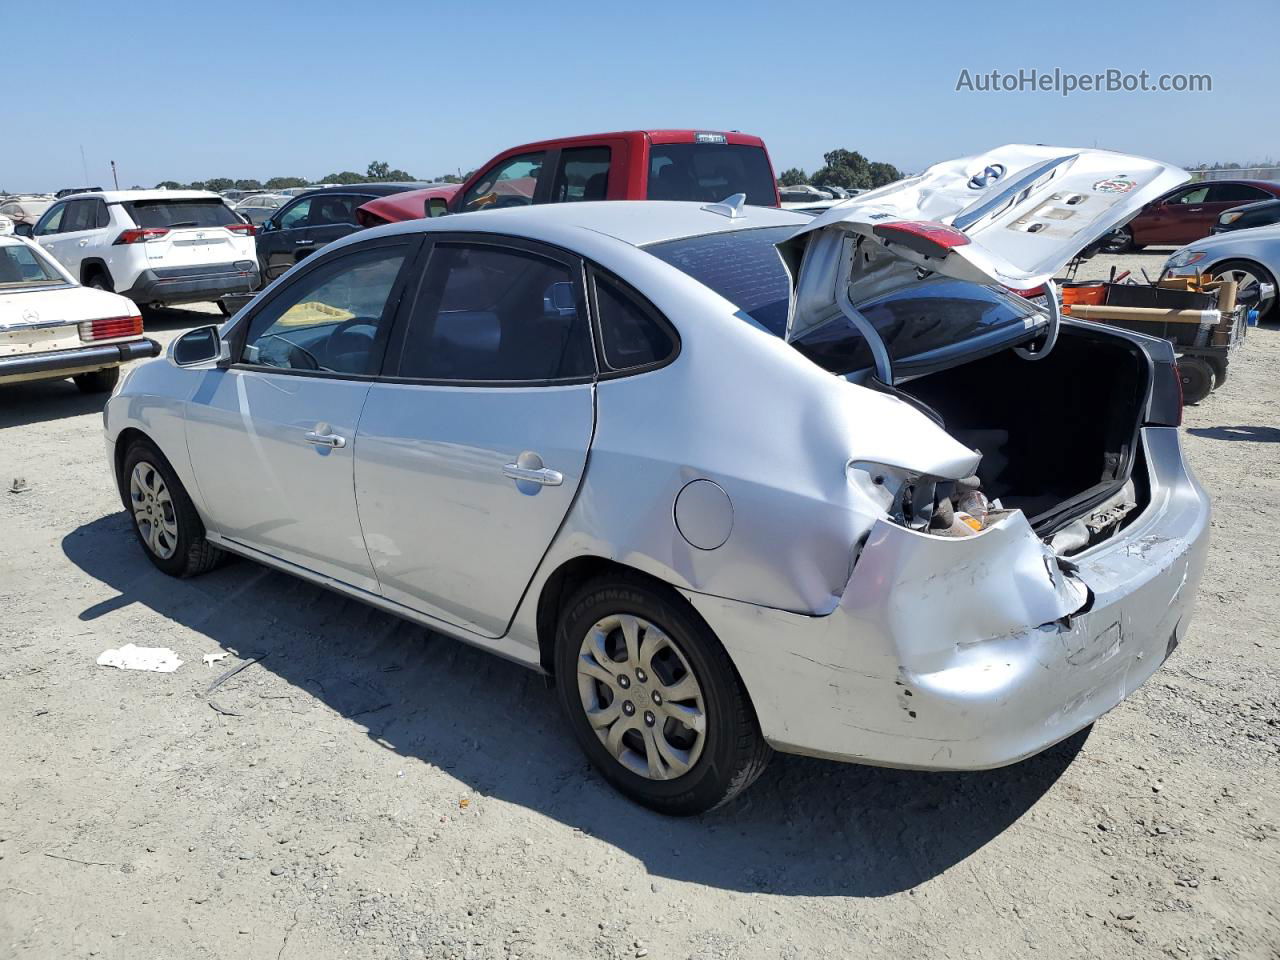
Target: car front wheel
(164, 518)
(1251, 279)
(653, 698)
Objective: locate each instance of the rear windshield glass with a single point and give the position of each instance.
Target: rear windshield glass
(742, 266)
(709, 172)
(919, 324)
(20, 266)
(181, 213)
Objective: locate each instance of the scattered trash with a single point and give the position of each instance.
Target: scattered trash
(211, 658)
(464, 803)
(19, 485)
(223, 679)
(130, 657)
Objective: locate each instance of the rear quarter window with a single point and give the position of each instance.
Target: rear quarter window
(180, 213)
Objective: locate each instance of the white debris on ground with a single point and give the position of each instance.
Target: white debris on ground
(131, 657)
(211, 658)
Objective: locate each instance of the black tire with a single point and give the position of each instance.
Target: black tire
(1119, 241)
(1220, 367)
(1263, 275)
(733, 752)
(100, 381)
(99, 280)
(192, 554)
(1197, 378)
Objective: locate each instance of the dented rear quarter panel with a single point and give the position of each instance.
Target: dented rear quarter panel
(971, 654)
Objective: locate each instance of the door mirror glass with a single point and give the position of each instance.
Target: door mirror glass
(199, 346)
(22, 229)
(437, 207)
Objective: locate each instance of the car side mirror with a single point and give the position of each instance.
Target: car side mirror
(267, 226)
(23, 230)
(200, 349)
(437, 207)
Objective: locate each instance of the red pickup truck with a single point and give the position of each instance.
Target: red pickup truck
(634, 165)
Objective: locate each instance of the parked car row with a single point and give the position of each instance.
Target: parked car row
(566, 432)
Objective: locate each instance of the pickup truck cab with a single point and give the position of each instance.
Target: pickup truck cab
(697, 165)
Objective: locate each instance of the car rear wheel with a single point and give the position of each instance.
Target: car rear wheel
(1249, 278)
(99, 281)
(164, 518)
(1119, 241)
(653, 698)
(100, 381)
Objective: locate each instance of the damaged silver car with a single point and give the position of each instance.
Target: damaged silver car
(737, 479)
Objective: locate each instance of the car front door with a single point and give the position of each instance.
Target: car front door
(514, 182)
(1174, 221)
(80, 226)
(469, 458)
(47, 230)
(288, 230)
(272, 437)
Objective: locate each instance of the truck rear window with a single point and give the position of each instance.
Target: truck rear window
(710, 172)
(180, 213)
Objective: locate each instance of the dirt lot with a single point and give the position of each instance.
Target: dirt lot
(382, 792)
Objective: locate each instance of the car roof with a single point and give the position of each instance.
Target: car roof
(381, 189)
(128, 196)
(635, 222)
(654, 136)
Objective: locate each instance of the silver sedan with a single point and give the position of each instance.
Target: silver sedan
(737, 479)
(1249, 257)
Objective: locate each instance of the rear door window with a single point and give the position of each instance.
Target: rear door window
(80, 215)
(497, 314)
(1236, 193)
(581, 174)
(710, 172)
(510, 183)
(181, 213)
(328, 209)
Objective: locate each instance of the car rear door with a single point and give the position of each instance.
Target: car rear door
(272, 437)
(469, 454)
(333, 215)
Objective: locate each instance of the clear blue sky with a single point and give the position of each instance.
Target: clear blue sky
(185, 91)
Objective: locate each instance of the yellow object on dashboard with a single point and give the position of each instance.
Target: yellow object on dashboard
(312, 313)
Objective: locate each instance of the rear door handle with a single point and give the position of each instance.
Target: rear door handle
(541, 475)
(325, 439)
(84, 242)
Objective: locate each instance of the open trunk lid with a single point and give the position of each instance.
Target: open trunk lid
(1014, 216)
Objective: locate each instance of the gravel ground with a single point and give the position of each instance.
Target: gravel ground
(372, 790)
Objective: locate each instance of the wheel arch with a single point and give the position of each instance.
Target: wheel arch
(95, 265)
(572, 574)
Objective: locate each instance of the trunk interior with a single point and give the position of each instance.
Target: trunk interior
(1057, 435)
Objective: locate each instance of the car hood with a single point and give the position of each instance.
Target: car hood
(1014, 216)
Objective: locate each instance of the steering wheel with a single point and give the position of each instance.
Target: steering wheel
(344, 328)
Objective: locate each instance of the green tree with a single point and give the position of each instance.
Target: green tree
(844, 168)
(248, 185)
(218, 184)
(378, 170)
(792, 177)
(283, 183)
(168, 185)
(882, 173)
(346, 176)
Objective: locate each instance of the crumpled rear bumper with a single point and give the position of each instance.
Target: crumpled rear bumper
(978, 652)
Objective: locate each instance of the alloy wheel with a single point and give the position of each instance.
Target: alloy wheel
(641, 697)
(153, 510)
(1247, 284)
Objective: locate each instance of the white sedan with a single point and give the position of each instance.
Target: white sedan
(738, 479)
(51, 327)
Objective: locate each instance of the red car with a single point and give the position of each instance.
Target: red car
(1188, 213)
(635, 165)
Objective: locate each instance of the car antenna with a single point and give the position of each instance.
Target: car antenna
(730, 207)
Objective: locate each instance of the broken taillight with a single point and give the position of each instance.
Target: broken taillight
(141, 235)
(110, 328)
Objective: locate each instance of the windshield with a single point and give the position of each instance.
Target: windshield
(710, 172)
(181, 213)
(20, 266)
(923, 324)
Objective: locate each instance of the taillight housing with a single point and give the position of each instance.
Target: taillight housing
(244, 229)
(923, 236)
(109, 328)
(141, 235)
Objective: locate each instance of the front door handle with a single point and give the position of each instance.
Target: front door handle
(84, 242)
(325, 439)
(528, 468)
(1196, 210)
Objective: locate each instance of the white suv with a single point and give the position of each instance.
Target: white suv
(153, 246)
